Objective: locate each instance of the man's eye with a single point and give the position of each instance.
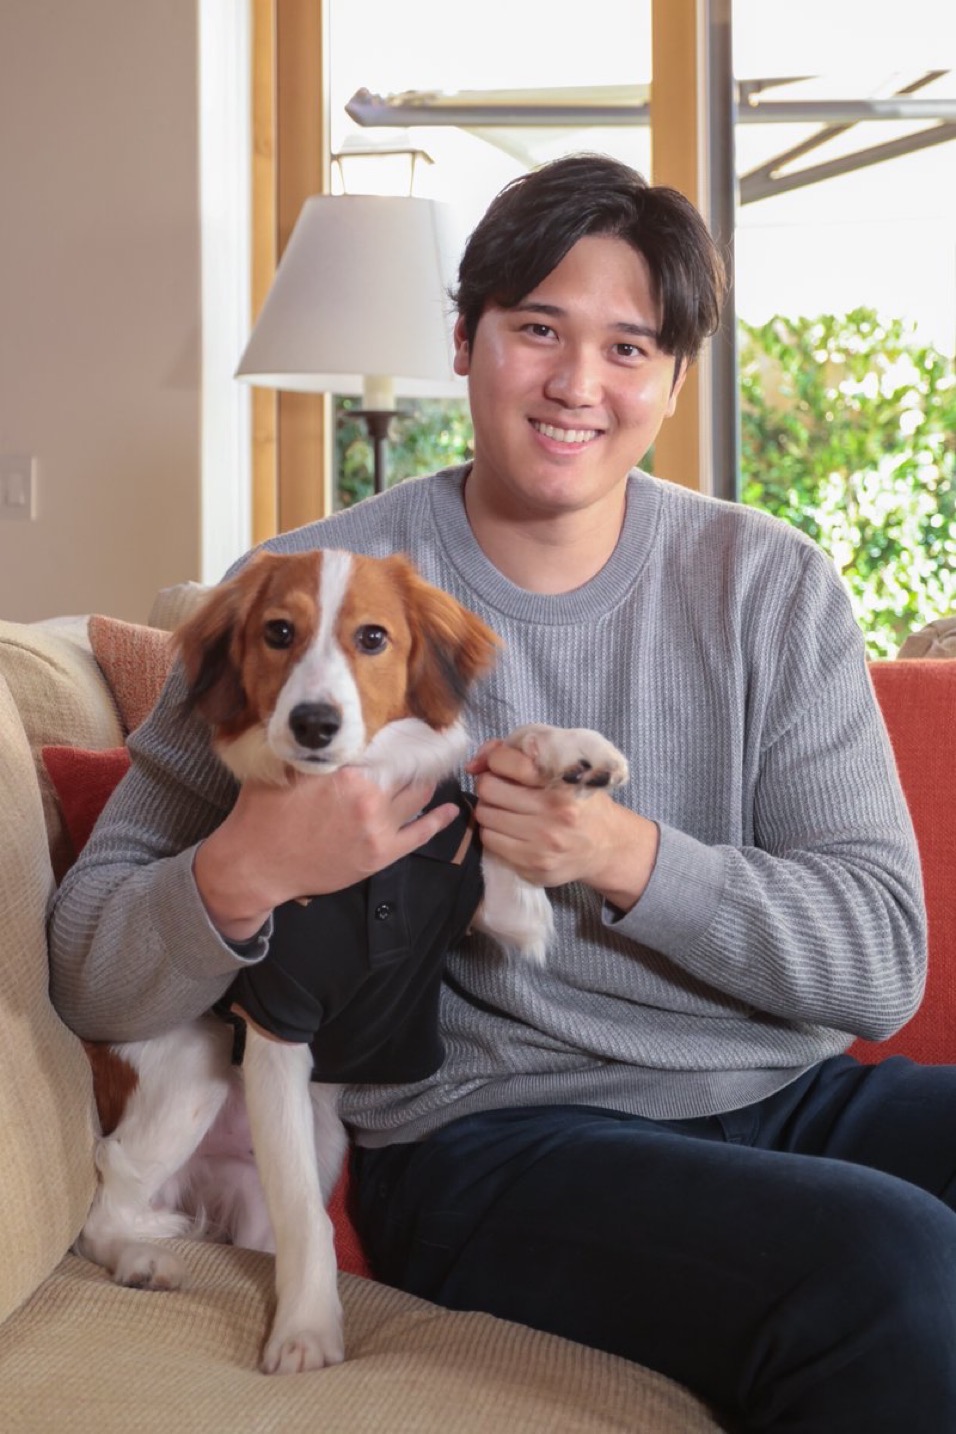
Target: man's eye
(279, 633)
(371, 638)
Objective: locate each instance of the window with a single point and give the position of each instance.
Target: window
(846, 293)
(845, 229)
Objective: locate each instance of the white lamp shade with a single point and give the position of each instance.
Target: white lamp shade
(361, 293)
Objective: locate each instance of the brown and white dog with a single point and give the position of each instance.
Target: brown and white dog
(303, 663)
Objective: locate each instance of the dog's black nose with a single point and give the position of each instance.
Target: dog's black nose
(314, 724)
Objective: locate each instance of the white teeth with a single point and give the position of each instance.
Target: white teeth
(565, 435)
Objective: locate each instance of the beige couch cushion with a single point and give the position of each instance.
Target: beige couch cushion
(172, 606)
(936, 639)
(62, 698)
(46, 1136)
(87, 1356)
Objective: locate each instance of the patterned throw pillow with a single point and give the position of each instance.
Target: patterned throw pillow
(135, 661)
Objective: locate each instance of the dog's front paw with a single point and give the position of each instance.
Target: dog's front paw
(294, 1353)
(148, 1267)
(573, 756)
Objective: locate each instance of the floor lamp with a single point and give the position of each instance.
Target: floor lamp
(359, 305)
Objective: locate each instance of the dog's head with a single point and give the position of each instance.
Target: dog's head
(300, 660)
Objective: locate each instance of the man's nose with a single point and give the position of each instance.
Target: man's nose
(574, 380)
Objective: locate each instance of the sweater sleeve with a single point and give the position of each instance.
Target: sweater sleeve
(132, 949)
(818, 917)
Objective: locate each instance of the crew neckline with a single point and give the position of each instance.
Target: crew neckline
(598, 595)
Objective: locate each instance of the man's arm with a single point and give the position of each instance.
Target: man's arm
(819, 918)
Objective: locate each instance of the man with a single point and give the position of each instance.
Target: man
(655, 1144)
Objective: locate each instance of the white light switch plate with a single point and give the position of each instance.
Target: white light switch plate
(18, 486)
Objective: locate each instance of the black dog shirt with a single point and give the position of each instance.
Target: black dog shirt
(356, 974)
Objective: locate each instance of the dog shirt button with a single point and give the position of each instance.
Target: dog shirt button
(383, 911)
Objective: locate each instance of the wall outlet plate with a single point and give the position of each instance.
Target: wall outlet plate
(18, 486)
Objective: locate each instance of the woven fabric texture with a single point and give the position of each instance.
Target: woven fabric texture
(46, 1139)
(105, 1358)
(134, 660)
(60, 696)
(918, 701)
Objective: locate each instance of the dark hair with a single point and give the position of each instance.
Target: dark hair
(536, 219)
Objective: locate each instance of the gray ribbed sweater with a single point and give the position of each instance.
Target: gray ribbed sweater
(717, 649)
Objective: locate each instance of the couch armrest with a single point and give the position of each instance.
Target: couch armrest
(46, 1135)
(62, 698)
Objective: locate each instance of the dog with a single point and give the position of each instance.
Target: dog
(300, 664)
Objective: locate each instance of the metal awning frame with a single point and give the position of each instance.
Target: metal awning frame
(424, 108)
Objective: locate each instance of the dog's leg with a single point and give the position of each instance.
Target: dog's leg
(513, 912)
(223, 1181)
(307, 1329)
(330, 1138)
(183, 1080)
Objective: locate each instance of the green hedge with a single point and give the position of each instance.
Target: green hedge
(848, 430)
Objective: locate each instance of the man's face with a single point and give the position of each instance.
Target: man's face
(568, 389)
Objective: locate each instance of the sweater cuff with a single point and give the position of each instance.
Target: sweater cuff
(254, 948)
(680, 900)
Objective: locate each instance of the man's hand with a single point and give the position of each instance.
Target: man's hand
(316, 835)
(552, 835)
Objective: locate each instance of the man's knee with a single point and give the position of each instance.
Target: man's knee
(872, 1323)
(886, 1237)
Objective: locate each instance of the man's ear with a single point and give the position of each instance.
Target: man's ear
(462, 349)
(680, 373)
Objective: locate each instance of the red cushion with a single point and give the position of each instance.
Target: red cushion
(918, 700)
(348, 1247)
(83, 781)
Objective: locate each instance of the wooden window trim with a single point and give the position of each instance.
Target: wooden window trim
(291, 447)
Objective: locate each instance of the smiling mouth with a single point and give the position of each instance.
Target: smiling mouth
(565, 435)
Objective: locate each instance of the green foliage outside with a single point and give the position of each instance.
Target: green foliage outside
(427, 435)
(848, 431)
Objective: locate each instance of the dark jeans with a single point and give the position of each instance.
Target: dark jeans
(794, 1263)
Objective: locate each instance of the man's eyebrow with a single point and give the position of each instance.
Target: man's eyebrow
(531, 306)
(638, 331)
(554, 311)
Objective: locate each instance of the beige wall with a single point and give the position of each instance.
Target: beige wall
(99, 300)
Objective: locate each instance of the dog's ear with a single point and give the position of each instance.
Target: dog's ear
(209, 643)
(451, 649)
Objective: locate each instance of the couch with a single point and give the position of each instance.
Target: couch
(79, 1351)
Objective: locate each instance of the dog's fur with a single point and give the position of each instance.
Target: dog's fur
(302, 663)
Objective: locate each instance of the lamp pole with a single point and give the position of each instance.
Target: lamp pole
(378, 421)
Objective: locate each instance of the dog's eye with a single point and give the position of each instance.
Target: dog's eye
(371, 638)
(279, 633)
